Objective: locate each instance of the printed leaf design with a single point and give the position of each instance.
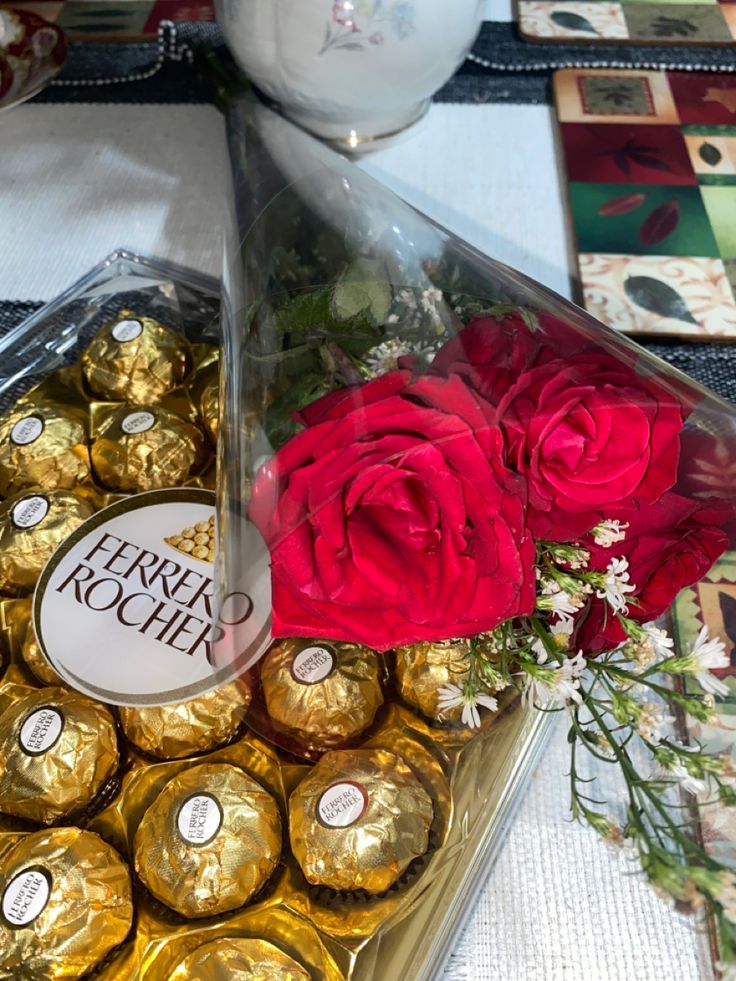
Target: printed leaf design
(665, 26)
(710, 154)
(660, 223)
(621, 205)
(657, 297)
(638, 153)
(572, 22)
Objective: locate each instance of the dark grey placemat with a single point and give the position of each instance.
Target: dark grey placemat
(503, 67)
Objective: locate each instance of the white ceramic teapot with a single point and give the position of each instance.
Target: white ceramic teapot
(351, 71)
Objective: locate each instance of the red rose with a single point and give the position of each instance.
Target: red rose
(490, 355)
(669, 545)
(392, 518)
(590, 436)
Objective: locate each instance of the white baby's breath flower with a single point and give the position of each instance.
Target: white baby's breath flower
(557, 601)
(553, 687)
(709, 653)
(652, 720)
(451, 696)
(430, 298)
(559, 637)
(608, 532)
(384, 357)
(616, 585)
(690, 784)
(660, 640)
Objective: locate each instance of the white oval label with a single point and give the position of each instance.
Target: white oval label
(127, 330)
(312, 665)
(199, 819)
(342, 804)
(41, 730)
(29, 511)
(167, 632)
(27, 430)
(137, 422)
(25, 897)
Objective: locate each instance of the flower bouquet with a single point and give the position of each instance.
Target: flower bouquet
(456, 469)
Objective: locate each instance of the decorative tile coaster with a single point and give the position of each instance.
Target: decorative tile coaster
(115, 20)
(633, 21)
(651, 165)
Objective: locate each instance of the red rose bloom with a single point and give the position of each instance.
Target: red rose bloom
(669, 546)
(392, 518)
(490, 355)
(591, 437)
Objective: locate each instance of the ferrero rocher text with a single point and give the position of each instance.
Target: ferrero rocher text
(153, 594)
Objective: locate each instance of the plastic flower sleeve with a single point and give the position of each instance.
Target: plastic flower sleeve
(340, 298)
(449, 466)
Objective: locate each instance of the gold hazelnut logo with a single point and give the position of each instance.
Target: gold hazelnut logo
(198, 541)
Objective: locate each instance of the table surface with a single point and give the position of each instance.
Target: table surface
(77, 181)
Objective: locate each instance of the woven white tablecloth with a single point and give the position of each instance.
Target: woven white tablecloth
(78, 181)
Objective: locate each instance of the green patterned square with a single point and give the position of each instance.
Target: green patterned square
(720, 204)
(616, 96)
(676, 22)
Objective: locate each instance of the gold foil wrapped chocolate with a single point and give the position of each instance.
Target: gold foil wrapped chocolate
(34, 659)
(172, 731)
(239, 959)
(43, 447)
(57, 750)
(321, 692)
(146, 448)
(65, 902)
(209, 842)
(209, 401)
(135, 359)
(423, 669)
(31, 526)
(358, 819)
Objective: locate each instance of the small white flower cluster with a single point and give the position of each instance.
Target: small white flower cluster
(608, 532)
(558, 601)
(709, 653)
(451, 696)
(561, 632)
(555, 686)
(384, 357)
(616, 585)
(652, 720)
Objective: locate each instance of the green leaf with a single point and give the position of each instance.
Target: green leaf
(362, 289)
(305, 311)
(279, 424)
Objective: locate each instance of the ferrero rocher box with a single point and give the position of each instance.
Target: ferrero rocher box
(180, 796)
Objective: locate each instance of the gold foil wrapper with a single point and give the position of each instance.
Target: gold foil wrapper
(358, 820)
(321, 692)
(135, 359)
(57, 750)
(239, 959)
(209, 842)
(209, 401)
(31, 526)
(34, 659)
(174, 731)
(422, 669)
(146, 448)
(66, 903)
(43, 447)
